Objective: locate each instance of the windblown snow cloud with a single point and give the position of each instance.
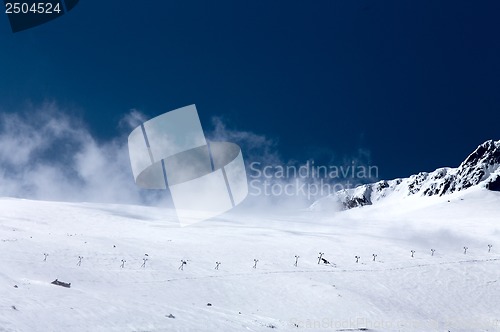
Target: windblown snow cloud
(47, 154)
(288, 184)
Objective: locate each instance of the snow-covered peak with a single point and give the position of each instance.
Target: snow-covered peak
(481, 167)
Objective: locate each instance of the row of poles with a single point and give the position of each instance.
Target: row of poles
(255, 261)
(320, 258)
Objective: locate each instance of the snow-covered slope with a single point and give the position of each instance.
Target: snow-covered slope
(448, 291)
(482, 168)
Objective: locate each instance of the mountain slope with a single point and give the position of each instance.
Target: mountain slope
(396, 292)
(480, 168)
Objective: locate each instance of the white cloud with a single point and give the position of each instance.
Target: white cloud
(49, 155)
(132, 119)
(46, 154)
(289, 192)
(254, 146)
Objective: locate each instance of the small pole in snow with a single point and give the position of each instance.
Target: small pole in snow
(144, 260)
(45, 257)
(489, 247)
(296, 260)
(255, 263)
(357, 258)
(374, 257)
(432, 252)
(320, 256)
(123, 263)
(217, 265)
(183, 262)
(79, 260)
(412, 253)
(465, 250)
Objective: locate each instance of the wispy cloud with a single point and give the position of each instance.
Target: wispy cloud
(47, 154)
(254, 146)
(278, 183)
(132, 119)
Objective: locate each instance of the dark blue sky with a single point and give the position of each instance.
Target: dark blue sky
(414, 82)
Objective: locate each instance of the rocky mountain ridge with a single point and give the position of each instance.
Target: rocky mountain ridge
(481, 167)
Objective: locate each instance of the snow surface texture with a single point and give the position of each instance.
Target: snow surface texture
(447, 291)
(125, 262)
(482, 167)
